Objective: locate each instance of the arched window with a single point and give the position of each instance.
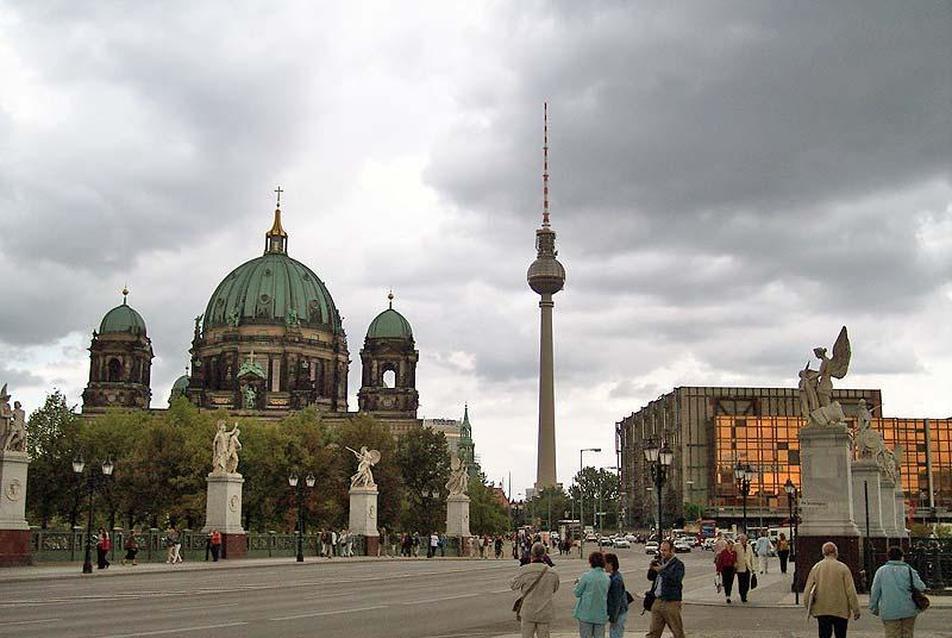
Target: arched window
(114, 370)
(389, 378)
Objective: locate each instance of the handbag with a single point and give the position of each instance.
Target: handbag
(628, 597)
(753, 580)
(921, 600)
(517, 606)
(647, 601)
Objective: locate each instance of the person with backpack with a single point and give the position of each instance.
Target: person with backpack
(890, 597)
(536, 583)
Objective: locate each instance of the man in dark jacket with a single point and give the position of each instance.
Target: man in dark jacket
(667, 576)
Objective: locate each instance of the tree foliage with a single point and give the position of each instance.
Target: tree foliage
(424, 462)
(53, 441)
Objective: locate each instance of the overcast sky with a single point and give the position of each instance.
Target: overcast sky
(731, 183)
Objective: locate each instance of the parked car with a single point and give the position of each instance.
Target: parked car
(621, 543)
(591, 538)
(606, 541)
(631, 538)
(681, 546)
(651, 547)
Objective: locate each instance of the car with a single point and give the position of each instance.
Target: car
(621, 543)
(681, 547)
(631, 538)
(591, 538)
(606, 541)
(651, 547)
(708, 544)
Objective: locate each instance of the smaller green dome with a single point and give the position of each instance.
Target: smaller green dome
(181, 383)
(390, 324)
(123, 318)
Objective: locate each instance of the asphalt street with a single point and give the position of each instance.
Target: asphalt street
(393, 599)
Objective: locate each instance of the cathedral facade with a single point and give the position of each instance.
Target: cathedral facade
(270, 341)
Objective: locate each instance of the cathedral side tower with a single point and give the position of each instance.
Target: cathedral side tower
(120, 361)
(389, 358)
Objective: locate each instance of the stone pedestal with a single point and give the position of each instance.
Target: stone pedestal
(887, 493)
(223, 512)
(826, 484)
(866, 474)
(363, 512)
(810, 551)
(14, 530)
(900, 513)
(457, 516)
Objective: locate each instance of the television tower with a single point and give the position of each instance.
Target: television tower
(546, 277)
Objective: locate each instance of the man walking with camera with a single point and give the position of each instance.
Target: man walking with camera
(667, 574)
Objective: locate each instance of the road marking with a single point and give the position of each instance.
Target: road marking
(437, 600)
(314, 614)
(171, 609)
(29, 622)
(180, 630)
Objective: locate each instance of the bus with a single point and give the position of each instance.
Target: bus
(708, 529)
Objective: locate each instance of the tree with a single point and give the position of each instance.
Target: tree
(548, 506)
(598, 488)
(424, 460)
(52, 443)
(487, 514)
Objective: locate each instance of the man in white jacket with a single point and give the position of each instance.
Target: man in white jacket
(536, 583)
(763, 546)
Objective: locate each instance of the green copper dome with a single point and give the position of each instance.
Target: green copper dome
(273, 288)
(180, 384)
(123, 318)
(390, 324)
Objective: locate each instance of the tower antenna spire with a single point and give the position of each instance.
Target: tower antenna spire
(545, 165)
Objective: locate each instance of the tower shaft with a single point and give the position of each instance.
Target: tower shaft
(545, 469)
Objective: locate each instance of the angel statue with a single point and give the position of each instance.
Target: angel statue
(366, 459)
(868, 442)
(458, 482)
(816, 386)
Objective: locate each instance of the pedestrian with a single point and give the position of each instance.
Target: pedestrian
(103, 545)
(744, 565)
(668, 576)
(617, 598)
(482, 547)
(497, 544)
(214, 541)
(536, 583)
(591, 590)
(442, 545)
(783, 552)
(890, 597)
(169, 545)
(719, 543)
(349, 545)
(831, 594)
(434, 545)
(132, 548)
(335, 550)
(763, 547)
(177, 546)
(725, 564)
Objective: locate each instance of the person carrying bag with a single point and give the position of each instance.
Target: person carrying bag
(536, 583)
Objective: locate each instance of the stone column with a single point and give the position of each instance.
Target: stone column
(457, 516)
(827, 501)
(887, 492)
(223, 512)
(866, 471)
(14, 530)
(363, 516)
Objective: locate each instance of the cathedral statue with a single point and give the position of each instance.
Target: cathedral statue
(868, 442)
(816, 386)
(458, 484)
(366, 459)
(6, 416)
(249, 398)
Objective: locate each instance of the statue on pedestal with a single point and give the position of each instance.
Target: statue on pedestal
(16, 434)
(458, 483)
(225, 450)
(366, 459)
(816, 386)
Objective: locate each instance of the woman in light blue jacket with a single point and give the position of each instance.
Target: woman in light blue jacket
(890, 597)
(591, 589)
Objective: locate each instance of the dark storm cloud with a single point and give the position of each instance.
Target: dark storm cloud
(16, 378)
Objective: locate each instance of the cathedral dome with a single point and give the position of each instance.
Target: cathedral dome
(272, 289)
(123, 318)
(390, 324)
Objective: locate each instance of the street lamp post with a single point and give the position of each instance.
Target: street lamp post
(791, 491)
(743, 473)
(91, 480)
(294, 482)
(581, 507)
(659, 460)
